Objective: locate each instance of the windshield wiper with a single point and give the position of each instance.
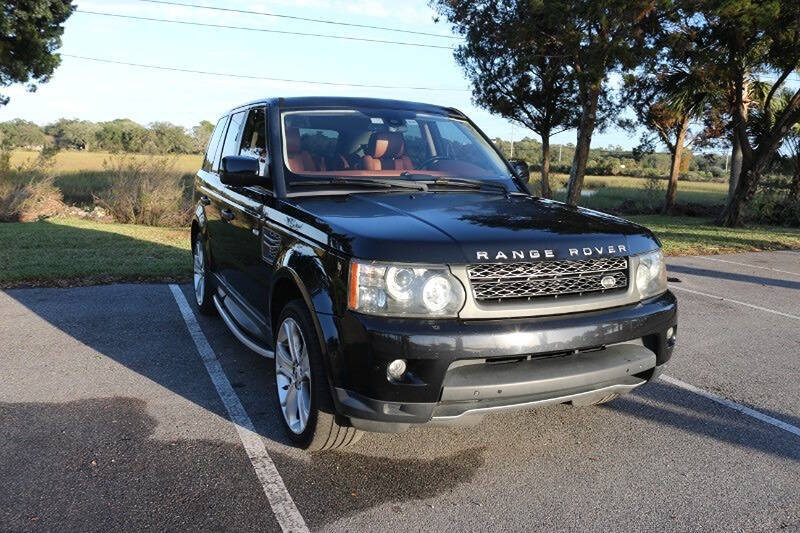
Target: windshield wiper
(452, 181)
(374, 182)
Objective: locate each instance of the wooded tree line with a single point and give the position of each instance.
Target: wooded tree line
(695, 72)
(121, 135)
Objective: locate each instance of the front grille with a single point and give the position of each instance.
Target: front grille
(547, 279)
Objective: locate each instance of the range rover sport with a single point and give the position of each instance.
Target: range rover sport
(399, 272)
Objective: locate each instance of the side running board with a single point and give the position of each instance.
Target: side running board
(238, 333)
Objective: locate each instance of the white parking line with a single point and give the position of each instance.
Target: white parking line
(281, 502)
(747, 265)
(752, 306)
(733, 405)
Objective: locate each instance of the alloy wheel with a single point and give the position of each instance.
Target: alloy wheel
(293, 375)
(199, 272)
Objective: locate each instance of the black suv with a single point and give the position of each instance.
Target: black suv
(399, 271)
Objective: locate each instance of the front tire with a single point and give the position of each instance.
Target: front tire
(201, 279)
(301, 387)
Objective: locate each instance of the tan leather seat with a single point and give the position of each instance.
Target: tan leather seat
(298, 160)
(386, 151)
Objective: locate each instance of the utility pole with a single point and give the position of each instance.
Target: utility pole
(727, 157)
(559, 153)
(512, 141)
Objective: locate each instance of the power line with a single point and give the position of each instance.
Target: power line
(246, 28)
(306, 19)
(262, 78)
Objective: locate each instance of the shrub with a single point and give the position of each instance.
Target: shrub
(28, 201)
(654, 192)
(595, 184)
(28, 193)
(773, 208)
(145, 191)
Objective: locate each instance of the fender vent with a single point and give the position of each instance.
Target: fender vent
(270, 245)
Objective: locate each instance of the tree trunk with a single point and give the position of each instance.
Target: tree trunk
(747, 184)
(675, 167)
(794, 187)
(754, 162)
(546, 191)
(736, 166)
(585, 130)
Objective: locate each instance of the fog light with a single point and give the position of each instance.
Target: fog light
(670, 333)
(396, 369)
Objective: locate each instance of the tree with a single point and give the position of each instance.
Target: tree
(20, 133)
(508, 56)
(793, 143)
(602, 36)
(122, 135)
(169, 138)
(73, 133)
(738, 43)
(201, 135)
(666, 94)
(30, 32)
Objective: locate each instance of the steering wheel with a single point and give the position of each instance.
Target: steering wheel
(424, 165)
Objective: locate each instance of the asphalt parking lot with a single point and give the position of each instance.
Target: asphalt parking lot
(110, 418)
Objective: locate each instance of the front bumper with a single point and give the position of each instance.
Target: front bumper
(456, 367)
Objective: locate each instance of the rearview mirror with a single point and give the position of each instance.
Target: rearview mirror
(520, 169)
(238, 170)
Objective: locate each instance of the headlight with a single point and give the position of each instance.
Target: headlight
(403, 290)
(651, 274)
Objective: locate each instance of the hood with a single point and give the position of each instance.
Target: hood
(469, 227)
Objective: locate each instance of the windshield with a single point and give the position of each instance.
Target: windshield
(385, 143)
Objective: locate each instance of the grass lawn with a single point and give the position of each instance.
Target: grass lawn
(697, 236)
(69, 251)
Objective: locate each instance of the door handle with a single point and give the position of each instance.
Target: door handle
(204, 200)
(227, 214)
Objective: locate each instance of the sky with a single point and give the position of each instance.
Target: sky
(99, 92)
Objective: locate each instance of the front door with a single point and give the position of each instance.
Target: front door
(246, 273)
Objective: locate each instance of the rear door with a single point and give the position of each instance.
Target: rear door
(207, 187)
(223, 234)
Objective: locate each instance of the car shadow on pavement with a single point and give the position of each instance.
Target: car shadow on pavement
(734, 276)
(689, 412)
(91, 465)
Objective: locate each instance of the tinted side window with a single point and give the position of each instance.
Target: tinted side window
(213, 145)
(232, 138)
(254, 137)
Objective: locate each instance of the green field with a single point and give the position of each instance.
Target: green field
(70, 161)
(606, 193)
(82, 175)
(69, 251)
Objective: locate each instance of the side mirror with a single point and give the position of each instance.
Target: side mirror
(520, 169)
(238, 170)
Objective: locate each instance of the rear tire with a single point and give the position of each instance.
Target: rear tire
(301, 386)
(201, 278)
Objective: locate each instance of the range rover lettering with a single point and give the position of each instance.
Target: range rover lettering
(397, 268)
